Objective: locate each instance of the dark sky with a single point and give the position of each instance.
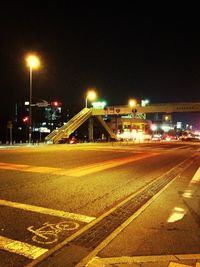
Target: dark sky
(124, 51)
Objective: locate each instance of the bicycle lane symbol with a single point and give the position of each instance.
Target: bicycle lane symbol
(48, 233)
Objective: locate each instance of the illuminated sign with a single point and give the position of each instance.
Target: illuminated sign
(99, 104)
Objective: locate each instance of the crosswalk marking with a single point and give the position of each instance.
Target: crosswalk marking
(27, 168)
(21, 248)
(76, 172)
(52, 212)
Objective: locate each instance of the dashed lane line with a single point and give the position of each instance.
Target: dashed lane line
(76, 172)
(21, 248)
(52, 212)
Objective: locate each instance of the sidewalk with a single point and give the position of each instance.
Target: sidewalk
(171, 235)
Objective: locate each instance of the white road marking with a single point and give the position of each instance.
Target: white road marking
(48, 232)
(126, 260)
(189, 191)
(21, 248)
(52, 212)
(196, 177)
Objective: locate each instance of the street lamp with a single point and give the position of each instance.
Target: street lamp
(132, 103)
(91, 95)
(33, 62)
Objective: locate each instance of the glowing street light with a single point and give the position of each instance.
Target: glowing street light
(132, 103)
(32, 62)
(91, 95)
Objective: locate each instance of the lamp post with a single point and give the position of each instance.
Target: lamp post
(91, 95)
(33, 62)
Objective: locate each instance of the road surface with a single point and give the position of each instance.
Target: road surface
(68, 205)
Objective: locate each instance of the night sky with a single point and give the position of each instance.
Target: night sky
(124, 51)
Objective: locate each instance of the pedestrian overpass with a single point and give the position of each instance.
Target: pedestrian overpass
(87, 113)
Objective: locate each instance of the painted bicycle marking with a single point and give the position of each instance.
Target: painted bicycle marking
(48, 233)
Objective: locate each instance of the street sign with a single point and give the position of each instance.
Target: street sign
(42, 104)
(9, 125)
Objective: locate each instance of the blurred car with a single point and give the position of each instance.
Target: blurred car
(190, 138)
(168, 137)
(156, 137)
(72, 140)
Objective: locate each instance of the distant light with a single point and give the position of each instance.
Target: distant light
(144, 102)
(25, 119)
(44, 130)
(154, 127)
(26, 103)
(165, 128)
(56, 103)
(179, 125)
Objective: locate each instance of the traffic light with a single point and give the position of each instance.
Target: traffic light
(56, 104)
(25, 120)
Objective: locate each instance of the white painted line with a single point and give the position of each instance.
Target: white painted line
(142, 259)
(196, 177)
(189, 191)
(21, 248)
(52, 212)
(126, 260)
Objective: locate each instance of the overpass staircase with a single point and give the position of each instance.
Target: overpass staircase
(68, 128)
(106, 127)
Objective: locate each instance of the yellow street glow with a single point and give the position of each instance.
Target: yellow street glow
(32, 61)
(132, 103)
(91, 95)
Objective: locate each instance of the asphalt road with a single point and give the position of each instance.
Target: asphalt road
(50, 194)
